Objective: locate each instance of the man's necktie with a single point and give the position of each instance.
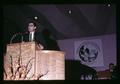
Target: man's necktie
(31, 37)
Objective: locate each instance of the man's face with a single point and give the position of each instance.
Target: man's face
(111, 66)
(31, 27)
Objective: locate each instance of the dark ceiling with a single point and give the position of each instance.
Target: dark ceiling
(64, 21)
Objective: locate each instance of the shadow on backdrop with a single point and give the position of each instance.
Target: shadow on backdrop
(50, 42)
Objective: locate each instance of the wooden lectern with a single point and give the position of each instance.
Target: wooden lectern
(24, 62)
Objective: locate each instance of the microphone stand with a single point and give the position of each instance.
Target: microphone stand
(15, 36)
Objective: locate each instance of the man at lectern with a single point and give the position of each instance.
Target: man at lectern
(33, 35)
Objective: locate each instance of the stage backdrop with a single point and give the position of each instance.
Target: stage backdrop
(89, 52)
(105, 42)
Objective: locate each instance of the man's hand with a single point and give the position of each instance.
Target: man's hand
(39, 47)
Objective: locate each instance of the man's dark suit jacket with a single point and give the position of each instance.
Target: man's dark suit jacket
(38, 38)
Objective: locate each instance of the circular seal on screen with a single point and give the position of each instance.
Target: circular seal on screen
(88, 52)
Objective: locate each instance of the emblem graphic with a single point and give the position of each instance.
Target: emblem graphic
(88, 51)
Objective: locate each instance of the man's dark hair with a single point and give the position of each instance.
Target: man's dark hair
(111, 64)
(33, 23)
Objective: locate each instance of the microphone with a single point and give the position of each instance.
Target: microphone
(15, 36)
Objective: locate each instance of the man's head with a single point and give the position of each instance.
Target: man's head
(31, 26)
(111, 66)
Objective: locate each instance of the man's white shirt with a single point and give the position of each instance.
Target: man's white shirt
(31, 36)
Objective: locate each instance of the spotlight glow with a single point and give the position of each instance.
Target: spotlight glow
(35, 17)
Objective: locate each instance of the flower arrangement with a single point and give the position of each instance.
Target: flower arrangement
(21, 71)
